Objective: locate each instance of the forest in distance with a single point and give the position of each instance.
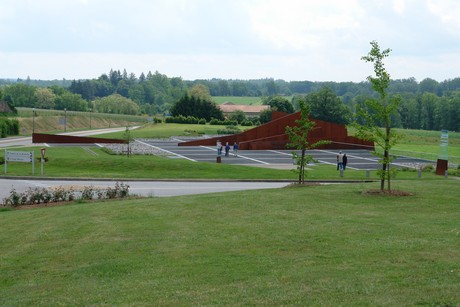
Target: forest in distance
(428, 104)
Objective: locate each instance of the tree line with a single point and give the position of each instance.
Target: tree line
(428, 104)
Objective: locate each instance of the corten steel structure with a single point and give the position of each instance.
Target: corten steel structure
(272, 135)
(69, 139)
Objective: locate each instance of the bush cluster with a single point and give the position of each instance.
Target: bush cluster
(229, 130)
(8, 127)
(223, 122)
(42, 195)
(185, 120)
(249, 122)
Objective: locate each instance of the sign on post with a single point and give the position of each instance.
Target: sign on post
(42, 160)
(19, 156)
(444, 145)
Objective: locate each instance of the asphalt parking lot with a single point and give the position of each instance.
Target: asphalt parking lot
(357, 159)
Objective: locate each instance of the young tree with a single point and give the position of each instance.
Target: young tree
(376, 123)
(298, 138)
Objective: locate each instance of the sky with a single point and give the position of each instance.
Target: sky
(293, 40)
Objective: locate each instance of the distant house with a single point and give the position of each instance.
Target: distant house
(250, 111)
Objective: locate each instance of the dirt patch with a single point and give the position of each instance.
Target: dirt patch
(387, 193)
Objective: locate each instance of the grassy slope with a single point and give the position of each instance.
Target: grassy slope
(52, 121)
(317, 245)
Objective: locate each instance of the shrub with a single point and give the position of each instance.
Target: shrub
(59, 194)
(8, 127)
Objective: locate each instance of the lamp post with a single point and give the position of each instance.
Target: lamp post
(90, 118)
(33, 120)
(65, 119)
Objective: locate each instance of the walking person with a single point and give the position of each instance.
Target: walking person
(227, 149)
(235, 149)
(344, 161)
(340, 161)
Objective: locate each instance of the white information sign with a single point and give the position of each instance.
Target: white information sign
(19, 156)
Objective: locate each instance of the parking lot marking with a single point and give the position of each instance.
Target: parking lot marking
(170, 152)
(241, 156)
(280, 152)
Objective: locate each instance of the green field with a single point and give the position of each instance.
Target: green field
(315, 245)
(170, 130)
(238, 100)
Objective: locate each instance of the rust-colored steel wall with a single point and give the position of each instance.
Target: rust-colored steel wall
(441, 167)
(272, 135)
(69, 139)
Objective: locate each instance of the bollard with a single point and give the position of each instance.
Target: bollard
(419, 173)
(218, 159)
(368, 173)
(341, 172)
(446, 173)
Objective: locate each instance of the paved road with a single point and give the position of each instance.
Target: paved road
(142, 188)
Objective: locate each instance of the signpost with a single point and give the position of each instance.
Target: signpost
(19, 156)
(443, 157)
(42, 160)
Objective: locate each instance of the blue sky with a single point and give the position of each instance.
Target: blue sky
(316, 40)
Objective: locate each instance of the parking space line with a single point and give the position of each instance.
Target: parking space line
(280, 152)
(170, 152)
(241, 156)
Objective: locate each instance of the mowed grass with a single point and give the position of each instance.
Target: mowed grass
(169, 130)
(315, 245)
(238, 100)
(426, 144)
(77, 162)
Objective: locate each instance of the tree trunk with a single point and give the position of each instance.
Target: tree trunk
(302, 166)
(382, 179)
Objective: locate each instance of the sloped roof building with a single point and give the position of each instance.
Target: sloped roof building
(250, 111)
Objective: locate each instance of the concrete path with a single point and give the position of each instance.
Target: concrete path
(141, 188)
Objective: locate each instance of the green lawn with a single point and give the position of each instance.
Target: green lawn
(315, 245)
(77, 162)
(238, 100)
(66, 162)
(168, 130)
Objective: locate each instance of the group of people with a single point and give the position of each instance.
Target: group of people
(342, 160)
(227, 149)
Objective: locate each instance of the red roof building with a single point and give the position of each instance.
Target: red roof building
(250, 111)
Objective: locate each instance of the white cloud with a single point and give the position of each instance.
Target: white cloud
(289, 39)
(448, 11)
(301, 25)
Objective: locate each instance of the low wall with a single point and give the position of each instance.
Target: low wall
(70, 139)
